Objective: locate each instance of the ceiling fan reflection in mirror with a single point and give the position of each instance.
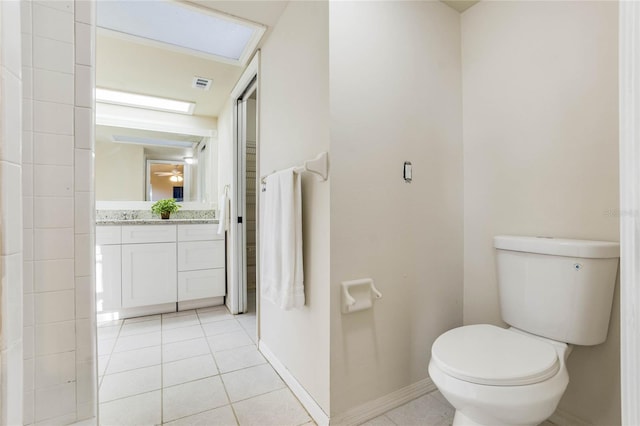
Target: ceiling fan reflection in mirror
(174, 176)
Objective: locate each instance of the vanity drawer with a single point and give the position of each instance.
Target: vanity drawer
(199, 232)
(194, 285)
(194, 255)
(148, 234)
(108, 235)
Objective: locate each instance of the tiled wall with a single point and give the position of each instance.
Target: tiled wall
(59, 307)
(11, 245)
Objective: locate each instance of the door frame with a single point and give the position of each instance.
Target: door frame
(236, 292)
(629, 72)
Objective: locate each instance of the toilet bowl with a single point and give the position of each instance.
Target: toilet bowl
(553, 293)
(500, 377)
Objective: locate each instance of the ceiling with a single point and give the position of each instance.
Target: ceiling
(460, 5)
(127, 64)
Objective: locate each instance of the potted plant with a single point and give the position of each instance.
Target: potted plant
(165, 207)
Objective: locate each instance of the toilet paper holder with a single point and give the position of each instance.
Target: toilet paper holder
(358, 295)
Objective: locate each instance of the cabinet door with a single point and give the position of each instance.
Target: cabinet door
(108, 278)
(149, 275)
(194, 255)
(194, 285)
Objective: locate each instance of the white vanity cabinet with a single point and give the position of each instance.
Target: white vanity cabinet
(142, 269)
(201, 256)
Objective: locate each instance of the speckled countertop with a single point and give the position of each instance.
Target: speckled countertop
(153, 221)
(145, 217)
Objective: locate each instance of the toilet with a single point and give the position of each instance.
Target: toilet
(554, 293)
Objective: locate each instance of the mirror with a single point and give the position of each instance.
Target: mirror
(144, 165)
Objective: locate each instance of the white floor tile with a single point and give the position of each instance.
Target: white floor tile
(105, 346)
(248, 320)
(144, 409)
(137, 341)
(140, 327)
(102, 364)
(379, 421)
(129, 383)
(222, 416)
(279, 408)
(252, 381)
(184, 349)
(109, 323)
(236, 359)
(221, 327)
(110, 332)
(426, 410)
(178, 314)
(192, 398)
(182, 333)
(219, 313)
(180, 321)
(222, 342)
(187, 370)
(139, 319)
(131, 360)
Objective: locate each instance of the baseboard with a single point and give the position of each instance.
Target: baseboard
(377, 407)
(357, 415)
(316, 412)
(562, 418)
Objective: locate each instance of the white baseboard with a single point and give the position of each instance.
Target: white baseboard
(316, 412)
(377, 407)
(357, 415)
(562, 418)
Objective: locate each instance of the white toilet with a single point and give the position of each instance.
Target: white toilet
(553, 292)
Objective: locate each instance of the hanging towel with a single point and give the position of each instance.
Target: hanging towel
(281, 275)
(224, 211)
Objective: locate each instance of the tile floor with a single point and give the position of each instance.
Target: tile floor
(198, 367)
(202, 367)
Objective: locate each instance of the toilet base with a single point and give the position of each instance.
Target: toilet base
(461, 420)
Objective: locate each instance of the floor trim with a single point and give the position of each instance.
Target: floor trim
(316, 412)
(562, 418)
(377, 407)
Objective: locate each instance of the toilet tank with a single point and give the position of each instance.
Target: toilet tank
(557, 288)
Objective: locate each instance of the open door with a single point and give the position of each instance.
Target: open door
(243, 208)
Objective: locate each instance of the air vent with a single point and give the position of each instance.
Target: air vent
(201, 83)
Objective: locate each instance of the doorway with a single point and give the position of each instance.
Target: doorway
(243, 283)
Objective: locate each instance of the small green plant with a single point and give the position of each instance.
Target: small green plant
(165, 207)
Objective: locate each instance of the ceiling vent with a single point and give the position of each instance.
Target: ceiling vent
(202, 83)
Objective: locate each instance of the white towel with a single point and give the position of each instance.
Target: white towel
(281, 275)
(224, 212)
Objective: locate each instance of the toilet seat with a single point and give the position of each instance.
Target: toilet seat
(490, 355)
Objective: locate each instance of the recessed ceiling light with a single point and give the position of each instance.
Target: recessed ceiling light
(143, 101)
(150, 141)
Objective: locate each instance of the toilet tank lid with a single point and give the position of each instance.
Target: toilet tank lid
(558, 246)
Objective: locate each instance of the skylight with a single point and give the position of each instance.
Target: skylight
(182, 26)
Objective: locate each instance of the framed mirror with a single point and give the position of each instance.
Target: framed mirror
(144, 165)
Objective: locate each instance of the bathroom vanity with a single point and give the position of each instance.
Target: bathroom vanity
(156, 266)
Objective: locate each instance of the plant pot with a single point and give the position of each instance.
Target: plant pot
(165, 215)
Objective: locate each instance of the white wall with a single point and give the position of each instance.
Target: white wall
(294, 126)
(57, 147)
(126, 182)
(540, 104)
(395, 97)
